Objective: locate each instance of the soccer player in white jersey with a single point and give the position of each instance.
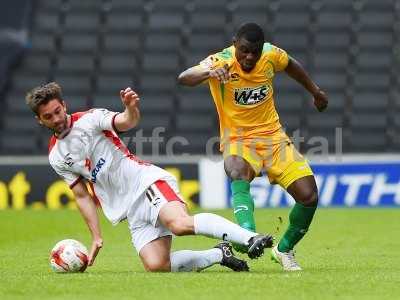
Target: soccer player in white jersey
(85, 148)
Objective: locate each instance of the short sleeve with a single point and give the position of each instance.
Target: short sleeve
(279, 58)
(69, 177)
(104, 119)
(211, 62)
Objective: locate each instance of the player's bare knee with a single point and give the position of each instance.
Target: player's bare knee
(237, 168)
(156, 265)
(238, 173)
(181, 226)
(235, 174)
(308, 197)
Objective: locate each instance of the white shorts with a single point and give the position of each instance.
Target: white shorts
(143, 215)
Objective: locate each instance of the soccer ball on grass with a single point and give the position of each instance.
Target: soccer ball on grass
(69, 256)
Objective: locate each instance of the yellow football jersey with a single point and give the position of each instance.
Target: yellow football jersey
(245, 104)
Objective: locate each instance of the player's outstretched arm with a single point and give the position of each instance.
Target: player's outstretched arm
(193, 76)
(131, 115)
(297, 72)
(88, 210)
(196, 75)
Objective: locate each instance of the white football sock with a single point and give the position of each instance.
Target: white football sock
(212, 225)
(188, 260)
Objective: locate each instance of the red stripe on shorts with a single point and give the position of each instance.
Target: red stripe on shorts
(167, 191)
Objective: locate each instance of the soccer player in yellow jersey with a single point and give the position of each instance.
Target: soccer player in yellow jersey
(252, 139)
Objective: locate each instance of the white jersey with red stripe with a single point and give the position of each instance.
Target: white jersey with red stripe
(92, 150)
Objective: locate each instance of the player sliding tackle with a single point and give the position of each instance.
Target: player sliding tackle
(86, 148)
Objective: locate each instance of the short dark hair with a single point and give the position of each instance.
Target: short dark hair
(252, 32)
(42, 95)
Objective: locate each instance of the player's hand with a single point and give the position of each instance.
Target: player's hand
(222, 74)
(129, 97)
(97, 244)
(320, 100)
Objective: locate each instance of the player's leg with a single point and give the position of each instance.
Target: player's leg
(189, 260)
(173, 215)
(241, 174)
(155, 255)
(154, 245)
(305, 193)
(152, 240)
(297, 178)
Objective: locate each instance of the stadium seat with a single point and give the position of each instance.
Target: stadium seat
(77, 42)
(36, 64)
(377, 20)
(124, 22)
(190, 100)
(367, 101)
(49, 5)
(108, 100)
(330, 61)
(157, 82)
(116, 64)
(366, 141)
(375, 40)
(332, 41)
(16, 103)
(24, 122)
(369, 120)
(96, 48)
(75, 102)
(334, 21)
(246, 15)
(18, 143)
(194, 143)
(166, 21)
(82, 22)
(290, 120)
(324, 120)
(46, 22)
(160, 62)
(208, 21)
(126, 5)
(372, 80)
(207, 42)
(373, 61)
(74, 83)
(288, 101)
(155, 41)
(150, 122)
(26, 82)
(75, 64)
(156, 103)
(115, 43)
(112, 84)
(195, 122)
(42, 43)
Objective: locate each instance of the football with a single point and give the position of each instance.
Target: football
(69, 256)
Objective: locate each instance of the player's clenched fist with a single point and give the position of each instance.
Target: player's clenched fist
(320, 100)
(222, 74)
(129, 97)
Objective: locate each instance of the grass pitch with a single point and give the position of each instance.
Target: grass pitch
(348, 254)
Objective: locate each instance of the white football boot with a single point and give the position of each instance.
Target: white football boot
(285, 259)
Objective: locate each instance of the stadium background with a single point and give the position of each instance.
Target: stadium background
(95, 48)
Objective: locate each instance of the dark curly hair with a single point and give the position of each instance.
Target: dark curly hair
(42, 95)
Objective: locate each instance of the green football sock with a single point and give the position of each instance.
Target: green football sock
(300, 218)
(243, 204)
